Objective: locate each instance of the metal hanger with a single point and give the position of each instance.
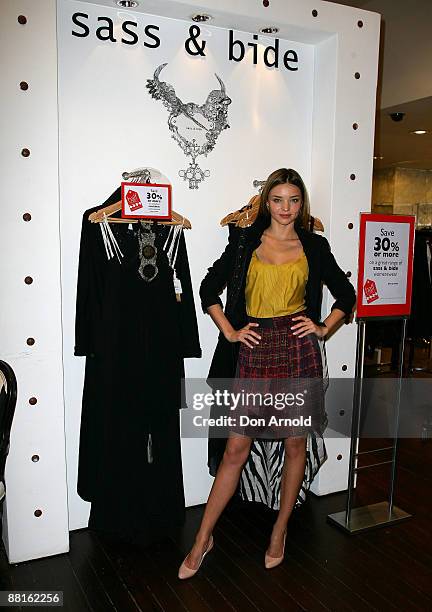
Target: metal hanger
(144, 175)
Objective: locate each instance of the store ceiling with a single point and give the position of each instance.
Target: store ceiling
(395, 142)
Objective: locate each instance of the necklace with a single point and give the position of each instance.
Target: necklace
(194, 127)
(147, 251)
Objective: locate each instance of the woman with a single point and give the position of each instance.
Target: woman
(273, 272)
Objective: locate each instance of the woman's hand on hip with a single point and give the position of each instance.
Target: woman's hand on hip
(246, 335)
(307, 326)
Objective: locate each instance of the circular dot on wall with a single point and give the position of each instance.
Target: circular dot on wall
(339, 457)
(28, 280)
(25, 152)
(33, 401)
(360, 23)
(357, 75)
(350, 225)
(22, 19)
(355, 126)
(35, 458)
(30, 341)
(27, 217)
(314, 13)
(38, 513)
(24, 85)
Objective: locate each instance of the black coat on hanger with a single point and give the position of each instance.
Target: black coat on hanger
(420, 321)
(134, 335)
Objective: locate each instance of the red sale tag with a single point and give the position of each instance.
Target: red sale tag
(133, 200)
(370, 290)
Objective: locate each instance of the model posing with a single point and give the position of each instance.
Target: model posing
(273, 272)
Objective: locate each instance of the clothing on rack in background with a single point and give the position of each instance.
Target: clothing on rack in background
(134, 334)
(420, 321)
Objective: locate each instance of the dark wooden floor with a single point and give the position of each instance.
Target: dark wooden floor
(324, 569)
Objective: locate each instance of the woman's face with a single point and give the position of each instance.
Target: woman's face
(284, 202)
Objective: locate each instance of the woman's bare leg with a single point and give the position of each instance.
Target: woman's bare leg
(292, 477)
(224, 485)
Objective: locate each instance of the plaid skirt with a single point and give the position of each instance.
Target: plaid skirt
(279, 383)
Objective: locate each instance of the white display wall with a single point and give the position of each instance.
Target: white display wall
(107, 123)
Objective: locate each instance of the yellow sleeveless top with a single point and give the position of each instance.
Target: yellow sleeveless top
(274, 290)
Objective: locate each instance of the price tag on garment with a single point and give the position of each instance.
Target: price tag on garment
(177, 287)
(385, 265)
(146, 201)
(177, 284)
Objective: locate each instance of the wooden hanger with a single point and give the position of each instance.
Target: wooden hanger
(98, 216)
(246, 215)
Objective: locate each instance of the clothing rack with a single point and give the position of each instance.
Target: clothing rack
(412, 344)
(421, 229)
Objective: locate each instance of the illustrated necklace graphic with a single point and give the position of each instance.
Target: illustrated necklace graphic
(195, 128)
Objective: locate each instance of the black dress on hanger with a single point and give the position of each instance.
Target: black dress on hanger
(420, 321)
(134, 335)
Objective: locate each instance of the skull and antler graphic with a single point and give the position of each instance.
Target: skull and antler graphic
(195, 128)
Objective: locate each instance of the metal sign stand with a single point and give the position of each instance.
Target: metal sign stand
(355, 520)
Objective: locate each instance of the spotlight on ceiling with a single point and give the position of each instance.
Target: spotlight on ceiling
(127, 3)
(378, 156)
(419, 132)
(201, 17)
(269, 30)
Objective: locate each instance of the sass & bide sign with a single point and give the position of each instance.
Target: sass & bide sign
(105, 29)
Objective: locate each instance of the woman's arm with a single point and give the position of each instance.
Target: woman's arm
(245, 334)
(307, 326)
(212, 286)
(218, 274)
(333, 319)
(339, 286)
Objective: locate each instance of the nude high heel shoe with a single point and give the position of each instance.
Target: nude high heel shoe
(187, 572)
(271, 562)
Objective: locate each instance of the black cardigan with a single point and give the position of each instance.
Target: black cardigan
(230, 271)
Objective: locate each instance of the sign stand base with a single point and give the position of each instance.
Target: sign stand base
(368, 517)
(355, 520)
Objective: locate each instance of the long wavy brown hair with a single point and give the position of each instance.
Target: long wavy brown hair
(279, 177)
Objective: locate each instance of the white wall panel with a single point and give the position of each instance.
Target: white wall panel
(29, 120)
(114, 124)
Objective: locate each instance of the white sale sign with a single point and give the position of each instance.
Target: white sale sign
(385, 264)
(386, 259)
(146, 201)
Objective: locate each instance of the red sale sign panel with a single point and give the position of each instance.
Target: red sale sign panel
(386, 252)
(146, 201)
